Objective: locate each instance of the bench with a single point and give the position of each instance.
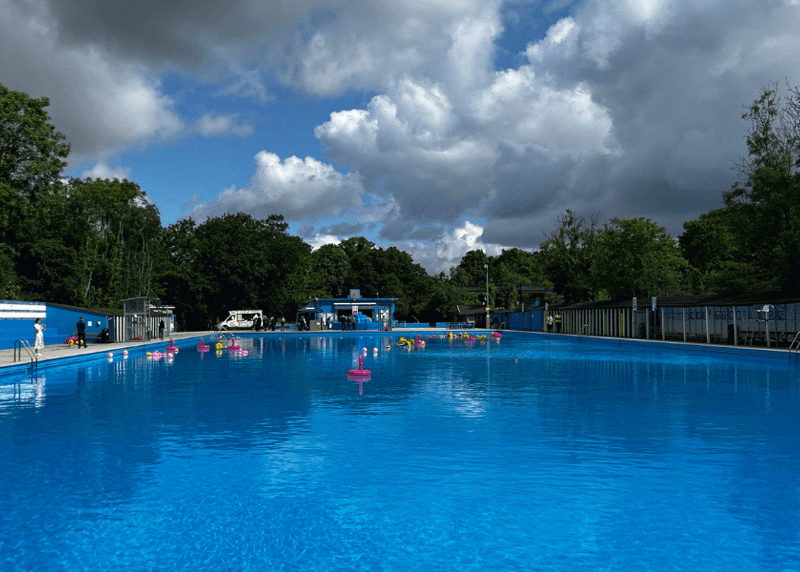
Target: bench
(91, 337)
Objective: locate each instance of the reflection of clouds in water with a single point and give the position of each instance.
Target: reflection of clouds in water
(467, 400)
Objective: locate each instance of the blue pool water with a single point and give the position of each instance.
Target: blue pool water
(527, 454)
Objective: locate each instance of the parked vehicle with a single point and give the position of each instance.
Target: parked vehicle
(240, 320)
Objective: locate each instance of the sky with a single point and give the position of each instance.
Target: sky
(436, 126)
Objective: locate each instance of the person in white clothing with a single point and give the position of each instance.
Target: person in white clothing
(38, 340)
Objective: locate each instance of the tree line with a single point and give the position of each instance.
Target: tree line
(94, 242)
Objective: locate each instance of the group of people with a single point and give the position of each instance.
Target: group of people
(268, 324)
(554, 322)
(348, 322)
(38, 336)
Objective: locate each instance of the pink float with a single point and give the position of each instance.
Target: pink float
(234, 346)
(360, 372)
(202, 346)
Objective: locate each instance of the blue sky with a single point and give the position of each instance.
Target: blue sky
(434, 126)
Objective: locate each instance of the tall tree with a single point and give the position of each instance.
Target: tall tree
(768, 198)
(32, 151)
(32, 155)
(567, 255)
(330, 267)
(636, 257)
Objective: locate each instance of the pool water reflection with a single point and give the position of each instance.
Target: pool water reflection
(527, 453)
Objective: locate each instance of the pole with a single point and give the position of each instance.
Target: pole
(486, 267)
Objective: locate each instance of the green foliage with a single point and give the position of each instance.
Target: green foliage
(330, 267)
(32, 152)
(636, 257)
(767, 201)
(567, 256)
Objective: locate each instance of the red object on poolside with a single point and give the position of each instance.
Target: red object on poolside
(360, 371)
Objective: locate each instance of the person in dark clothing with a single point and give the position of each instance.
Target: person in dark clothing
(161, 327)
(81, 327)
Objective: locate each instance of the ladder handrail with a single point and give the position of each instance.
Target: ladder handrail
(795, 340)
(19, 345)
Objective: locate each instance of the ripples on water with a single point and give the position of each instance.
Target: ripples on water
(523, 454)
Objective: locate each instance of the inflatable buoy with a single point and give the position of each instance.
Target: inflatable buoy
(171, 348)
(219, 345)
(109, 354)
(360, 372)
(202, 346)
(234, 345)
(157, 354)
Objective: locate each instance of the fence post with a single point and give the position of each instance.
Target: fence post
(708, 333)
(683, 311)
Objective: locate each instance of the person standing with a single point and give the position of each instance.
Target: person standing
(161, 327)
(283, 323)
(81, 327)
(38, 339)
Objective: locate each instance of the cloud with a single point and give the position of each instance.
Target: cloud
(210, 125)
(449, 248)
(101, 104)
(104, 171)
(299, 189)
(620, 108)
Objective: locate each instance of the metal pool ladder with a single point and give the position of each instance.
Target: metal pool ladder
(20, 345)
(795, 345)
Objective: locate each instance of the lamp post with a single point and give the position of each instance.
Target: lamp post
(486, 267)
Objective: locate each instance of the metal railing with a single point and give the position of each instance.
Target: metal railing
(795, 345)
(20, 345)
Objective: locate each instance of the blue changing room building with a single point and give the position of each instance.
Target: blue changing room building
(330, 313)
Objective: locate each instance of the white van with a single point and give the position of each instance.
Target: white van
(240, 320)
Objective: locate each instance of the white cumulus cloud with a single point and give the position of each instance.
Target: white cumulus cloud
(299, 189)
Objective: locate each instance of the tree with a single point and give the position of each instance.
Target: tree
(32, 152)
(330, 267)
(636, 257)
(567, 255)
(32, 156)
(713, 248)
(767, 201)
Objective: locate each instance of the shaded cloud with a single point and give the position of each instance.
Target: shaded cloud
(621, 108)
(342, 229)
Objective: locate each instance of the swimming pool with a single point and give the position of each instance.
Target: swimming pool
(534, 453)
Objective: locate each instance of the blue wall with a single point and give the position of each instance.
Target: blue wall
(60, 322)
(530, 321)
